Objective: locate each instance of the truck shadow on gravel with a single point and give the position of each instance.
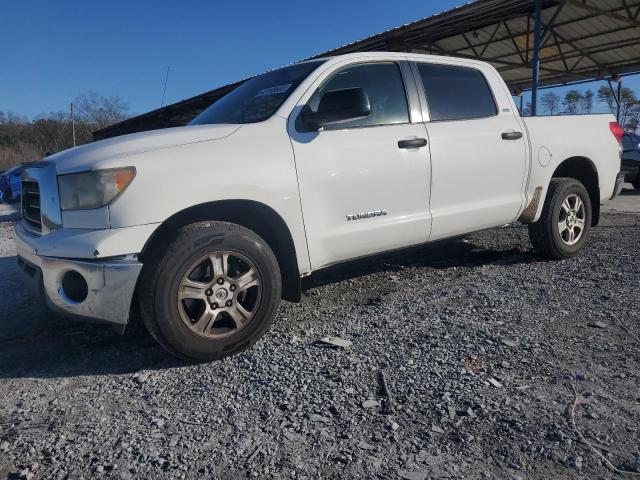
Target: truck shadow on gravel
(40, 344)
(35, 343)
(9, 213)
(628, 192)
(76, 349)
(457, 253)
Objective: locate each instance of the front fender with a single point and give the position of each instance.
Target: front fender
(255, 164)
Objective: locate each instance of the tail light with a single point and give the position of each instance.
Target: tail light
(617, 130)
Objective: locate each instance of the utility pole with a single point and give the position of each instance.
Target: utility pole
(73, 125)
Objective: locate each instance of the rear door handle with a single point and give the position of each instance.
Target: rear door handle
(511, 135)
(413, 143)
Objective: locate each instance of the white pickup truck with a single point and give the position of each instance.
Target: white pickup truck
(202, 229)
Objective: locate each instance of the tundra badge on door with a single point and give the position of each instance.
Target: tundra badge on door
(361, 215)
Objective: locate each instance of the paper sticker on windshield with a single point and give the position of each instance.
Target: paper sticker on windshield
(274, 90)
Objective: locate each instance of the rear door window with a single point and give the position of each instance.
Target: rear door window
(456, 93)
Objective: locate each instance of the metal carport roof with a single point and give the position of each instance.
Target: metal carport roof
(579, 40)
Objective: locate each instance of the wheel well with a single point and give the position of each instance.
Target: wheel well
(583, 170)
(253, 215)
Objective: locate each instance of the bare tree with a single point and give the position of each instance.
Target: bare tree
(11, 118)
(587, 101)
(572, 102)
(49, 132)
(605, 95)
(99, 112)
(629, 106)
(22, 140)
(551, 102)
(11, 128)
(18, 153)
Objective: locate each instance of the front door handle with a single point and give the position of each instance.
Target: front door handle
(511, 135)
(413, 143)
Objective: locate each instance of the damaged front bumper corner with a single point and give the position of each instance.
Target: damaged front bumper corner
(98, 290)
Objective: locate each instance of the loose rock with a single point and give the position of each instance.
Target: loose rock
(334, 342)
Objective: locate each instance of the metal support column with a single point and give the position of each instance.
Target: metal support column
(617, 94)
(619, 102)
(535, 60)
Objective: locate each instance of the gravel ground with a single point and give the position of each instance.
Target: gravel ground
(463, 364)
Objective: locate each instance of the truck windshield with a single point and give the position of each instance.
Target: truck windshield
(258, 98)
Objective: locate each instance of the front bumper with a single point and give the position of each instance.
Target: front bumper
(619, 184)
(110, 282)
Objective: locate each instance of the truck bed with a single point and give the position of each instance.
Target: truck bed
(554, 139)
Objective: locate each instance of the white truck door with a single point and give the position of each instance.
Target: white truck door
(478, 150)
(364, 184)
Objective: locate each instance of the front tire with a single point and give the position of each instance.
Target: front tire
(563, 228)
(211, 292)
(636, 182)
(7, 196)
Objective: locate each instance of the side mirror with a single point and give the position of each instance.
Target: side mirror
(335, 107)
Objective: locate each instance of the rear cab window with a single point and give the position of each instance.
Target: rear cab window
(456, 93)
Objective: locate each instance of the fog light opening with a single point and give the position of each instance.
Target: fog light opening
(74, 287)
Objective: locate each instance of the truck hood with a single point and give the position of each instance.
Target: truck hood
(99, 154)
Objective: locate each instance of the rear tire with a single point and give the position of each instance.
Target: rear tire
(7, 196)
(636, 182)
(563, 228)
(211, 291)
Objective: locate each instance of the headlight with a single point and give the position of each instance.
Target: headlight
(87, 190)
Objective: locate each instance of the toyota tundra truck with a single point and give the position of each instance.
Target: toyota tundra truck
(201, 230)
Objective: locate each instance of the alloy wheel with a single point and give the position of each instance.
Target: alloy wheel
(219, 294)
(572, 218)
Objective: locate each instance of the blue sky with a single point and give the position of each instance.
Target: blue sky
(55, 50)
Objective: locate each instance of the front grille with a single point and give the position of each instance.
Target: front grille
(31, 205)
